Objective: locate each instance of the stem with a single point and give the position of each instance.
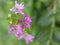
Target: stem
(53, 23)
(52, 30)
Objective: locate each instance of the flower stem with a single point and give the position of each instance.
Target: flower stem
(53, 23)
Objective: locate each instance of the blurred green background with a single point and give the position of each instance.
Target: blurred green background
(45, 26)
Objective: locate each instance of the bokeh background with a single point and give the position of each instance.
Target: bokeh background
(45, 26)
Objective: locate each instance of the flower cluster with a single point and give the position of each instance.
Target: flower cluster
(25, 22)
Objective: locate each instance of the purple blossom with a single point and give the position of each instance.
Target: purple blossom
(16, 34)
(27, 21)
(20, 34)
(29, 38)
(12, 9)
(19, 29)
(18, 8)
(19, 21)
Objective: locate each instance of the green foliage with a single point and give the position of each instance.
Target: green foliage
(45, 26)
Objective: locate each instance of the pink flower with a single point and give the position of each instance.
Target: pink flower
(19, 29)
(19, 21)
(20, 34)
(29, 38)
(23, 23)
(27, 21)
(16, 34)
(12, 9)
(18, 8)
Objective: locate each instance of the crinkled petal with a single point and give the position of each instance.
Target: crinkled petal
(19, 29)
(27, 41)
(16, 34)
(27, 19)
(16, 5)
(27, 25)
(12, 9)
(29, 38)
(21, 6)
